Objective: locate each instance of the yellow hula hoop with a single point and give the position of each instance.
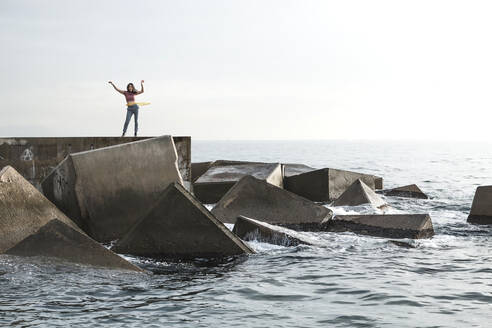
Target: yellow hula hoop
(138, 103)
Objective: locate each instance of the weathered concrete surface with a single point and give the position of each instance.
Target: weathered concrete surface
(391, 226)
(378, 182)
(250, 229)
(35, 158)
(105, 190)
(197, 169)
(178, 226)
(258, 199)
(57, 239)
(410, 191)
(222, 175)
(291, 169)
(23, 209)
(327, 184)
(481, 211)
(357, 194)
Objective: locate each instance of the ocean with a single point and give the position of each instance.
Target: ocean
(346, 280)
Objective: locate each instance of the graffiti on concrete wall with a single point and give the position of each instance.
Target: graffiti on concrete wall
(27, 154)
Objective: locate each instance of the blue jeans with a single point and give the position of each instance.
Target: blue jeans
(131, 110)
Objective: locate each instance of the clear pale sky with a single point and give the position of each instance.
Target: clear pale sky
(249, 69)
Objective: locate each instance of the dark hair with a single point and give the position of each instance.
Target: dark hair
(128, 88)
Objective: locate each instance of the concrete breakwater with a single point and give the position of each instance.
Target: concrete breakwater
(34, 158)
(133, 194)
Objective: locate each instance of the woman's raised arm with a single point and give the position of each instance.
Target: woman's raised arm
(141, 86)
(120, 91)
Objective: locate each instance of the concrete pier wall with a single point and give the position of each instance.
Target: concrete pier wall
(35, 158)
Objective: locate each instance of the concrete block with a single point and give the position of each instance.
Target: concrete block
(23, 209)
(481, 210)
(410, 191)
(178, 226)
(357, 194)
(105, 190)
(326, 184)
(291, 169)
(378, 182)
(258, 199)
(250, 229)
(222, 175)
(59, 240)
(414, 226)
(197, 169)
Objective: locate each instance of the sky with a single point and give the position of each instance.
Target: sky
(238, 70)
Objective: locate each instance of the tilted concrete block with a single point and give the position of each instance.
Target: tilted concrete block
(391, 226)
(481, 211)
(30, 225)
(59, 240)
(178, 226)
(197, 169)
(357, 194)
(105, 190)
(258, 199)
(410, 191)
(222, 175)
(291, 169)
(23, 209)
(326, 184)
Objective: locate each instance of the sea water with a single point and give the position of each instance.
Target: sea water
(345, 280)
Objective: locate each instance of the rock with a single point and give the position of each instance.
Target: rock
(255, 198)
(357, 194)
(295, 169)
(178, 226)
(105, 190)
(414, 226)
(197, 169)
(410, 191)
(23, 209)
(327, 184)
(57, 239)
(222, 175)
(481, 210)
(250, 229)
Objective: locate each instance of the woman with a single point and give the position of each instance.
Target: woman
(132, 108)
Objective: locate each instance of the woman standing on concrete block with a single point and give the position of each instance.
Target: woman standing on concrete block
(132, 107)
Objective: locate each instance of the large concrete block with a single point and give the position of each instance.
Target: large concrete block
(258, 199)
(222, 175)
(250, 229)
(481, 211)
(357, 194)
(327, 184)
(390, 226)
(378, 182)
(178, 226)
(23, 209)
(105, 190)
(197, 169)
(291, 169)
(59, 240)
(410, 191)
